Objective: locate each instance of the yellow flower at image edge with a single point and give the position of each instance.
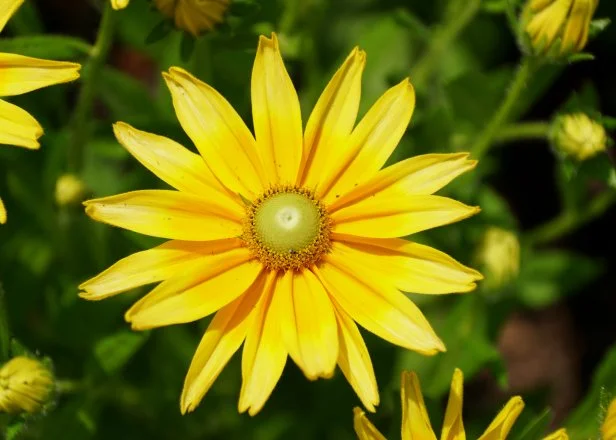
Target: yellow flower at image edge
(25, 385)
(119, 4)
(608, 428)
(416, 422)
(290, 238)
(20, 74)
(194, 16)
(558, 26)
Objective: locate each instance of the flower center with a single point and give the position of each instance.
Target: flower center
(287, 228)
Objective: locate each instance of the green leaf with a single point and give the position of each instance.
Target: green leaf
(597, 26)
(54, 47)
(158, 32)
(5, 332)
(586, 419)
(113, 352)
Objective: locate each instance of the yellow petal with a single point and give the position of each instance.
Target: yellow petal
(364, 429)
(411, 267)
(264, 354)
(221, 340)
(2, 213)
(7, 9)
(276, 114)
(415, 420)
(354, 361)
(545, 26)
(453, 428)
(153, 265)
(171, 162)
(561, 434)
(332, 120)
(218, 132)
(119, 4)
(424, 174)
(307, 323)
(169, 214)
(575, 34)
(397, 216)
(17, 127)
(378, 307)
(195, 294)
(20, 74)
(372, 141)
(608, 428)
(502, 424)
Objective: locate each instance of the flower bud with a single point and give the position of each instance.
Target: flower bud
(69, 190)
(557, 28)
(25, 385)
(499, 254)
(119, 4)
(194, 16)
(579, 136)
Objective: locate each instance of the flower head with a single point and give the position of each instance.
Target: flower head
(25, 385)
(416, 422)
(69, 189)
(499, 254)
(608, 428)
(119, 4)
(18, 75)
(558, 27)
(290, 239)
(578, 136)
(194, 16)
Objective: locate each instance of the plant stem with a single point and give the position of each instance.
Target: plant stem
(5, 332)
(487, 136)
(569, 221)
(523, 131)
(443, 38)
(87, 93)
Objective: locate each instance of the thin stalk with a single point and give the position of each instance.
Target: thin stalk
(487, 136)
(87, 93)
(523, 131)
(443, 38)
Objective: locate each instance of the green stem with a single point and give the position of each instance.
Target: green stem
(569, 221)
(442, 39)
(5, 332)
(523, 131)
(87, 93)
(67, 386)
(487, 136)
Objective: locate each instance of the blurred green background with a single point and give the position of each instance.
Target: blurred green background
(547, 335)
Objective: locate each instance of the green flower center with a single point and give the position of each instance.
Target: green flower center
(287, 228)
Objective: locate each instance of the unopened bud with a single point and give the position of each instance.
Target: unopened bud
(578, 136)
(25, 385)
(70, 189)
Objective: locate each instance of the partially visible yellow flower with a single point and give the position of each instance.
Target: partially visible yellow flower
(499, 254)
(69, 189)
(558, 26)
(608, 429)
(194, 16)
(578, 136)
(119, 4)
(25, 385)
(416, 422)
(20, 74)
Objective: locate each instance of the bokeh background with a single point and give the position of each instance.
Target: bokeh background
(548, 334)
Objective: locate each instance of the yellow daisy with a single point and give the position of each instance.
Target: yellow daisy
(194, 16)
(18, 75)
(291, 239)
(608, 428)
(416, 422)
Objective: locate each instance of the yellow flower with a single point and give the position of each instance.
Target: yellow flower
(416, 422)
(558, 26)
(119, 4)
(69, 189)
(291, 239)
(608, 429)
(25, 385)
(194, 16)
(499, 254)
(20, 74)
(579, 136)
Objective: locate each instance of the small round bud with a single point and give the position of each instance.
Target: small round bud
(499, 254)
(70, 189)
(194, 16)
(25, 385)
(578, 136)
